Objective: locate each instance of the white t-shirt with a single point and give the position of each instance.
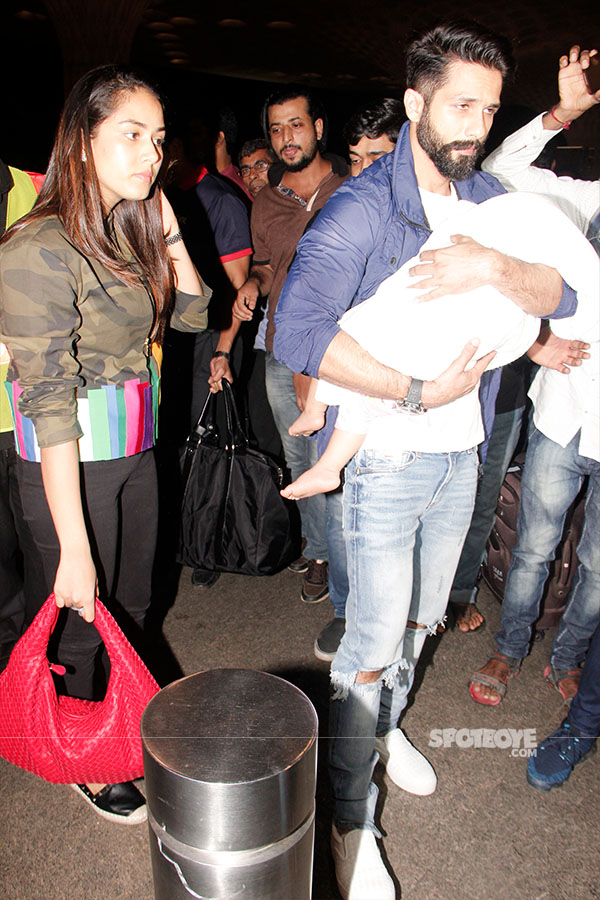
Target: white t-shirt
(438, 207)
(423, 338)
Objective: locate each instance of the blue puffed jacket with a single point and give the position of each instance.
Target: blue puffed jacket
(371, 226)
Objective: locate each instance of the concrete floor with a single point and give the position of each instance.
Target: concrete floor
(483, 834)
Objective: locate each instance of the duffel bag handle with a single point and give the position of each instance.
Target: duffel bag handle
(204, 431)
(236, 438)
(205, 421)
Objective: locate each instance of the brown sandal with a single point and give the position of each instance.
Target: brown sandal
(565, 681)
(513, 665)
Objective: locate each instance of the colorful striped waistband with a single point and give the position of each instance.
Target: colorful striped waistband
(115, 421)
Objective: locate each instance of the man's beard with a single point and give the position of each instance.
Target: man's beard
(454, 168)
(304, 161)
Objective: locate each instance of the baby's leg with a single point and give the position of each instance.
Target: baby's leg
(324, 476)
(312, 417)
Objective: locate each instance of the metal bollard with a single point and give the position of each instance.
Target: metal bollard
(230, 772)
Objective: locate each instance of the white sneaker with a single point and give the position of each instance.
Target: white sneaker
(359, 869)
(405, 765)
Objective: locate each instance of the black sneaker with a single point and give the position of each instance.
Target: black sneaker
(299, 566)
(328, 640)
(203, 578)
(315, 586)
(121, 803)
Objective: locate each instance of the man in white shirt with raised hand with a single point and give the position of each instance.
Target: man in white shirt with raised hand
(564, 447)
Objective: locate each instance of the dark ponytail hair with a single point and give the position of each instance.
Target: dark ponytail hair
(71, 191)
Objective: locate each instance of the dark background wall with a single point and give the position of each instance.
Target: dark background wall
(235, 52)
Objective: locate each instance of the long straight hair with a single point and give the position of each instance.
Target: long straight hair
(71, 191)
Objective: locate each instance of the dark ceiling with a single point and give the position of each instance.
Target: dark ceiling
(350, 44)
(349, 51)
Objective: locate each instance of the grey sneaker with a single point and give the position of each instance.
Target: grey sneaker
(327, 642)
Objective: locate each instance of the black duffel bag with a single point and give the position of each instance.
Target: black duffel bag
(233, 518)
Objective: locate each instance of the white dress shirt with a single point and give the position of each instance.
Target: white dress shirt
(511, 165)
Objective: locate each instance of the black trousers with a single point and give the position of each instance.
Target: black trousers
(121, 511)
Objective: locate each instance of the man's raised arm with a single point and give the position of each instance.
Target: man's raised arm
(511, 162)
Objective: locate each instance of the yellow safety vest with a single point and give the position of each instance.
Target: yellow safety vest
(21, 198)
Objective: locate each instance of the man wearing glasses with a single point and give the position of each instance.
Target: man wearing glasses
(255, 159)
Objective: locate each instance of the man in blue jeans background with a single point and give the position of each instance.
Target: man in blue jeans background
(553, 476)
(504, 439)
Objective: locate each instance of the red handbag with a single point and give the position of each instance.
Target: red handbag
(63, 739)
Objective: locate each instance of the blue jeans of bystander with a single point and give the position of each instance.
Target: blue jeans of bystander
(552, 478)
(338, 570)
(300, 454)
(503, 440)
(584, 712)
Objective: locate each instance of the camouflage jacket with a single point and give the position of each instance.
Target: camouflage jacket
(77, 338)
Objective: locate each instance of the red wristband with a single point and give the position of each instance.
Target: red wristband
(565, 125)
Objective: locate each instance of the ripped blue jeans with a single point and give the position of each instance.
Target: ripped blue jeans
(406, 515)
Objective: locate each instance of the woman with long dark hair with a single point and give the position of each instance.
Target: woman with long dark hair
(88, 279)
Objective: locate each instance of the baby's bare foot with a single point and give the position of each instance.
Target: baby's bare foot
(307, 423)
(317, 480)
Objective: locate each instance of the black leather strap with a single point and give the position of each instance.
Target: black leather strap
(412, 401)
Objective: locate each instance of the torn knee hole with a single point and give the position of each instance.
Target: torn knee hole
(438, 628)
(368, 677)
